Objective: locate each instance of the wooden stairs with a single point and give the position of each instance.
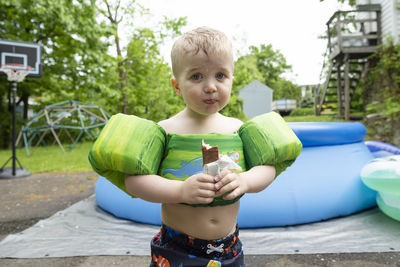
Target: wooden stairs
(342, 78)
(352, 37)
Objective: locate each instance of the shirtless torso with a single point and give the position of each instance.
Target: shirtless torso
(201, 222)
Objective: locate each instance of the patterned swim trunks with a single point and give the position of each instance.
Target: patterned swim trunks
(171, 248)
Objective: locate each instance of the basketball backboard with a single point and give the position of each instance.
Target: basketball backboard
(21, 54)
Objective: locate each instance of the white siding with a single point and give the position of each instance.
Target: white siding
(396, 30)
(390, 17)
(387, 18)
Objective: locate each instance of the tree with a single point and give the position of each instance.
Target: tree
(74, 52)
(113, 14)
(266, 65)
(150, 94)
(76, 37)
(270, 63)
(286, 89)
(142, 53)
(246, 71)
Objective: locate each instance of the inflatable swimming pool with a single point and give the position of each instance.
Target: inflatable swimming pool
(383, 175)
(381, 149)
(323, 183)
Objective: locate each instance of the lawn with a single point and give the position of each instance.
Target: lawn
(52, 159)
(327, 118)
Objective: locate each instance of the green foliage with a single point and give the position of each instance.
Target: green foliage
(234, 107)
(286, 89)
(141, 75)
(383, 88)
(74, 54)
(270, 63)
(263, 64)
(307, 101)
(146, 78)
(246, 71)
(385, 78)
(302, 112)
(76, 38)
(267, 66)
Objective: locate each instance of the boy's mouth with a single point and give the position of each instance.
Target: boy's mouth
(210, 101)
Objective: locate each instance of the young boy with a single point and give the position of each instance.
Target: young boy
(202, 64)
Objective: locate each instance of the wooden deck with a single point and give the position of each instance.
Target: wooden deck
(352, 36)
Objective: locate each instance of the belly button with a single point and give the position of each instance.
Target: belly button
(213, 221)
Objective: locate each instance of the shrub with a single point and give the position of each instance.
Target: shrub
(382, 87)
(302, 112)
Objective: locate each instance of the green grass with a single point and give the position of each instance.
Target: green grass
(51, 158)
(327, 118)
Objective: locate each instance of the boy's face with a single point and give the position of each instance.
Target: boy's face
(204, 82)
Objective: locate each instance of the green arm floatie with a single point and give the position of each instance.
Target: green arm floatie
(268, 140)
(127, 145)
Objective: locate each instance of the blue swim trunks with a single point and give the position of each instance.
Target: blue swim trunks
(171, 248)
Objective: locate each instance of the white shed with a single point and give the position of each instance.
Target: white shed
(390, 17)
(257, 99)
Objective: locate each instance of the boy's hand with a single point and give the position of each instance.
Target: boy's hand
(198, 189)
(230, 181)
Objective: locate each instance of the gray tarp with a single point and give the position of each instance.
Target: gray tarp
(85, 229)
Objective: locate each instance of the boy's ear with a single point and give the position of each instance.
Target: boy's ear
(175, 84)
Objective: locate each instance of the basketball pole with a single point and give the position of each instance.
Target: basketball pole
(14, 127)
(14, 172)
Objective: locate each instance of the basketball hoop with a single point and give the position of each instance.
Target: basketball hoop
(17, 60)
(15, 72)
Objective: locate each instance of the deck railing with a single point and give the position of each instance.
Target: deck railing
(354, 31)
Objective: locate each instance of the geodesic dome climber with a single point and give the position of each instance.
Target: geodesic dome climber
(68, 120)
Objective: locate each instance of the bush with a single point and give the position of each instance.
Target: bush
(382, 86)
(302, 112)
(307, 101)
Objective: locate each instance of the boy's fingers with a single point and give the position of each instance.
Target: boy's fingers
(232, 195)
(205, 178)
(206, 193)
(226, 180)
(227, 188)
(207, 186)
(221, 175)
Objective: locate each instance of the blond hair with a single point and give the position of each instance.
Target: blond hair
(205, 39)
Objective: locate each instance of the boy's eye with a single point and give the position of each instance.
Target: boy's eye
(220, 76)
(196, 76)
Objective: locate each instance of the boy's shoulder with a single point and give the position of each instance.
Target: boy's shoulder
(173, 124)
(232, 123)
(167, 124)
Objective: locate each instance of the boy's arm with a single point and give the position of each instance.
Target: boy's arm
(252, 181)
(197, 189)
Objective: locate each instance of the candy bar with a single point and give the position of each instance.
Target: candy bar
(210, 153)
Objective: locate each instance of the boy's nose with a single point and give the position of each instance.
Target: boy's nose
(210, 87)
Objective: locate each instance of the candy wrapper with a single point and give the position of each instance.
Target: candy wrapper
(213, 163)
(223, 163)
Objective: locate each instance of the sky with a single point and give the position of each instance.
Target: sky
(290, 26)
